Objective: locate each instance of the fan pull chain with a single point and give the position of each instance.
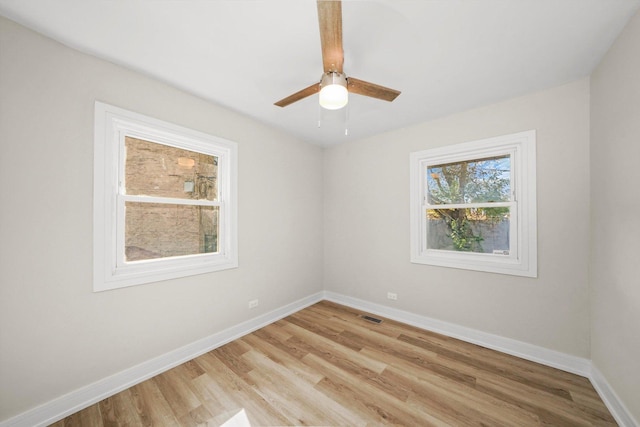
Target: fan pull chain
(346, 120)
(347, 115)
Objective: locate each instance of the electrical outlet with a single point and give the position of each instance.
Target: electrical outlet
(253, 303)
(392, 295)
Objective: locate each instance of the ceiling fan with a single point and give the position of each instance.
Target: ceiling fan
(334, 86)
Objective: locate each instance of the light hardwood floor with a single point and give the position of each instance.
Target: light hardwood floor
(326, 365)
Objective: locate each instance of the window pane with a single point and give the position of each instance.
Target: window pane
(154, 230)
(159, 170)
(472, 181)
(481, 230)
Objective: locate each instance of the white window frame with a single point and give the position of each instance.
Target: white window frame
(522, 257)
(112, 125)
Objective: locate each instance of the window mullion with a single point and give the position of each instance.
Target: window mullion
(470, 205)
(168, 200)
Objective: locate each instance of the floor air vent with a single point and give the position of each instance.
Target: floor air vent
(372, 319)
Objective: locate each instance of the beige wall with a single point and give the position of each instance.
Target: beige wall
(56, 334)
(367, 224)
(615, 210)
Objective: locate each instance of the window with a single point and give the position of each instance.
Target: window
(473, 205)
(165, 200)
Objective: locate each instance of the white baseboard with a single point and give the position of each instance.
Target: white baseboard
(610, 398)
(70, 403)
(555, 359)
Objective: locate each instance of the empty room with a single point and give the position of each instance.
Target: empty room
(340, 213)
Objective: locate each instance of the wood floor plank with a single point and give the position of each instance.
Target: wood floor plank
(283, 358)
(503, 360)
(231, 355)
(483, 365)
(88, 416)
(152, 407)
(196, 417)
(469, 406)
(300, 396)
(276, 331)
(327, 365)
(119, 410)
(333, 313)
(372, 402)
(423, 385)
(319, 344)
(235, 394)
(366, 369)
(176, 391)
(426, 360)
(550, 408)
(280, 343)
(591, 403)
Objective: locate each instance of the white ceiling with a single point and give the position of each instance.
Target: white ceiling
(444, 55)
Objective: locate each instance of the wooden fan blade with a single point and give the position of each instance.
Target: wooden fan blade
(330, 19)
(370, 89)
(308, 91)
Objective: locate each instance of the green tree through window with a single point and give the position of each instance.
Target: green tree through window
(477, 183)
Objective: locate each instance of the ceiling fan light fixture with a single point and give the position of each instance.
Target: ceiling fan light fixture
(333, 91)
